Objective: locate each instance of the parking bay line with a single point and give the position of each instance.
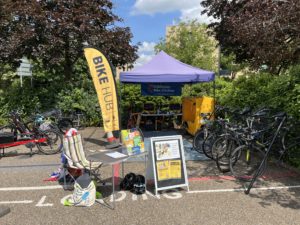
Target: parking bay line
(16, 202)
(31, 188)
(243, 189)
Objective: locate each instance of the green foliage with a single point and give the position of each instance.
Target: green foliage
(282, 93)
(228, 63)
(79, 99)
(49, 90)
(131, 97)
(55, 32)
(190, 43)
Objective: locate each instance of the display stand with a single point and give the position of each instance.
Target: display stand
(168, 163)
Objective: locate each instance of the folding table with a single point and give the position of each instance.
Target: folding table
(105, 159)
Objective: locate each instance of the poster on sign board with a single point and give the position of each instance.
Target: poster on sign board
(168, 169)
(168, 162)
(167, 149)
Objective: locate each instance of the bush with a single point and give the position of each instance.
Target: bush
(282, 93)
(71, 100)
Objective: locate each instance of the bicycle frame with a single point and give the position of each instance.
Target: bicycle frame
(17, 143)
(18, 125)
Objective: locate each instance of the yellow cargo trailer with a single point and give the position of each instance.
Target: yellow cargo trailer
(192, 107)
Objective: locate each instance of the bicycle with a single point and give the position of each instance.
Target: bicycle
(289, 144)
(217, 128)
(54, 119)
(232, 137)
(249, 161)
(209, 127)
(48, 141)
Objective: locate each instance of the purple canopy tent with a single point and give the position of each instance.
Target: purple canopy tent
(166, 69)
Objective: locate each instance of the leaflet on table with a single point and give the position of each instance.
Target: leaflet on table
(168, 169)
(167, 149)
(115, 155)
(133, 141)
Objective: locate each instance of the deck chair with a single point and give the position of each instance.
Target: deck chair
(70, 162)
(75, 155)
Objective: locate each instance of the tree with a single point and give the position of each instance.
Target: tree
(55, 32)
(190, 43)
(260, 32)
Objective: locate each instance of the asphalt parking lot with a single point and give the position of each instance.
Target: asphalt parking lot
(213, 198)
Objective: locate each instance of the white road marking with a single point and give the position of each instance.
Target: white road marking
(172, 195)
(121, 195)
(31, 188)
(17, 202)
(144, 196)
(243, 189)
(152, 195)
(42, 204)
(134, 197)
(121, 198)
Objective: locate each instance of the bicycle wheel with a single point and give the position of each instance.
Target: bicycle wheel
(244, 162)
(64, 125)
(198, 141)
(223, 146)
(207, 145)
(222, 162)
(221, 151)
(53, 143)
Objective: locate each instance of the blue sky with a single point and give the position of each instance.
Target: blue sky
(148, 20)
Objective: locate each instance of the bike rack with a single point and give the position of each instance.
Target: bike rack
(247, 191)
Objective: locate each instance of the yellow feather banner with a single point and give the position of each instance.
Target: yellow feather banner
(104, 83)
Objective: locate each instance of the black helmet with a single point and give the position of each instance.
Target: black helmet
(128, 182)
(139, 186)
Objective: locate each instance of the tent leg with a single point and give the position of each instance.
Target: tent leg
(214, 87)
(120, 105)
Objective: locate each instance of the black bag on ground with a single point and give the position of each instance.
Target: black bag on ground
(139, 186)
(134, 183)
(128, 182)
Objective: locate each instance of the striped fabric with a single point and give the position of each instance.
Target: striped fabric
(74, 150)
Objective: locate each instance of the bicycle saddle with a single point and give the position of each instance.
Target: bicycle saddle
(279, 115)
(50, 113)
(261, 113)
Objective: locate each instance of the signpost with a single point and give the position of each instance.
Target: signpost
(25, 70)
(168, 163)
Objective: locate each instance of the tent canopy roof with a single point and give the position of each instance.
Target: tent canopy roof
(166, 69)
